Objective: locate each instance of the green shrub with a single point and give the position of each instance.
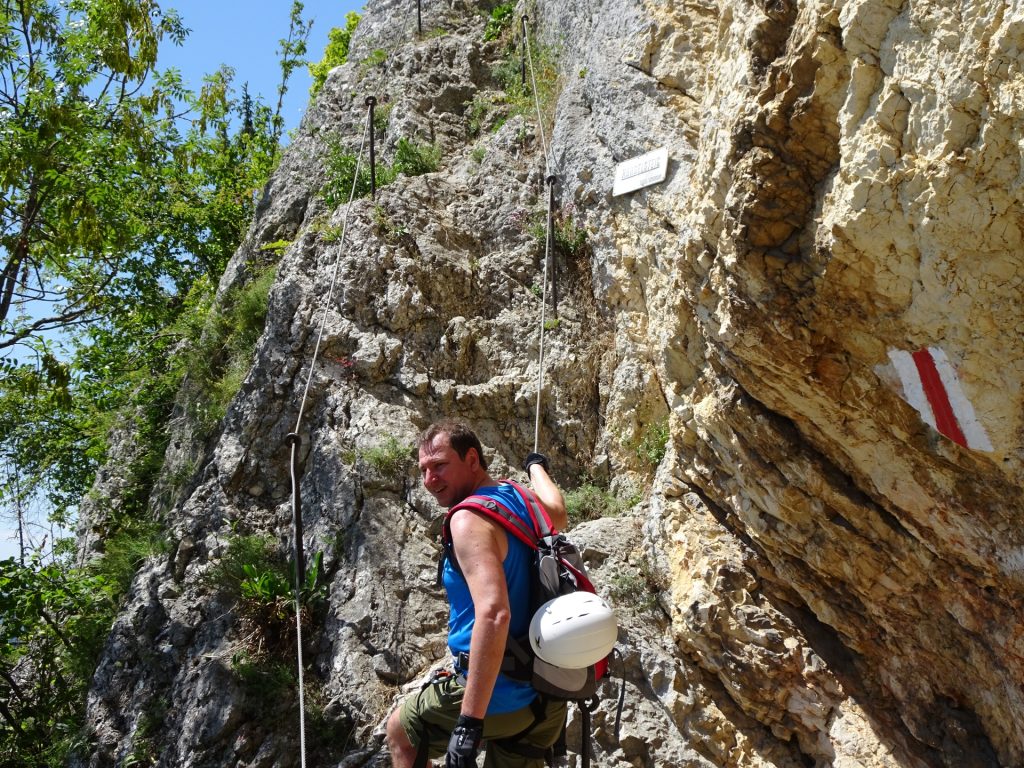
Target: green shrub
(258, 551)
(653, 443)
(501, 18)
(633, 589)
(375, 59)
(219, 353)
(381, 115)
(519, 96)
(257, 577)
(125, 551)
(590, 502)
(410, 158)
(413, 159)
(389, 458)
(341, 165)
(478, 110)
(335, 54)
(569, 238)
(639, 588)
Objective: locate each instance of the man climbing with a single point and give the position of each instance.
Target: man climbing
(488, 596)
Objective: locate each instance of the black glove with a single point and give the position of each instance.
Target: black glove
(464, 743)
(536, 458)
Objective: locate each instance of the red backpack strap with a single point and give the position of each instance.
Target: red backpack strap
(539, 515)
(491, 509)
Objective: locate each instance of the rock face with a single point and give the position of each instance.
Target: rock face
(820, 307)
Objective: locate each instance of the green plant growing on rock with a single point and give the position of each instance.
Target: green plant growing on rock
(220, 353)
(653, 443)
(381, 115)
(500, 19)
(341, 166)
(638, 589)
(591, 502)
(413, 159)
(278, 247)
(519, 96)
(328, 233)
(569, 238)
(410, 159)
(126, 550)
(386, 226)
(375, 59)
(253, 572)
(390, 458)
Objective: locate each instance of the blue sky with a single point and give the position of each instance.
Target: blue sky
(244, 35)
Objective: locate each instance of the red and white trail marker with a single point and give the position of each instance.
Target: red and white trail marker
(932, 386)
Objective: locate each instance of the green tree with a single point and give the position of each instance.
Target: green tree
(336, 52)
(81, 140)
(123, 195)
(54, 623)
(290, 55)
(117, 199)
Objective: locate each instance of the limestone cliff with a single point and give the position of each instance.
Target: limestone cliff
(822, 302)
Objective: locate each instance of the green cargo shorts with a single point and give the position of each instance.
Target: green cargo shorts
(432, 712)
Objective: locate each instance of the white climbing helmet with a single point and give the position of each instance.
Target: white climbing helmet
(573, 631)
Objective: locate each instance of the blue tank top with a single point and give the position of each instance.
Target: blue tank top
(509, 695)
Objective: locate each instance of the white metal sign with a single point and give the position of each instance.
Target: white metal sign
(639, 172)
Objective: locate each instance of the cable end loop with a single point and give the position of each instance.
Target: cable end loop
(293, 439)
(370, 101)
(551, 180)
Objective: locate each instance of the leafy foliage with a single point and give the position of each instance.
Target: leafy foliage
(591, 502)
(389, 458)
(501, 17)
(336, 52)
(108, 229)
(123, 195)
(653, 443)
(568, 237)
(375, 59)
(253, 573)
(291, 55)
(53, 622)
(519, 96)
(219, 342)
(410, 159)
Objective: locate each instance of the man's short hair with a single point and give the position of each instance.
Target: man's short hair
(460, 437)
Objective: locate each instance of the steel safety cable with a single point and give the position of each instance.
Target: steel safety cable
(536, 100)
(550, 181)
(543, 320)
(295, 441)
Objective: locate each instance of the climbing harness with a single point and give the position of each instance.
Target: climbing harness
(295, 442)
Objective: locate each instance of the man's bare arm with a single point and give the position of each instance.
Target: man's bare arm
(549, 496)
(480, 548)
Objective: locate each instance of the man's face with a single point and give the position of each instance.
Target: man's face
(449, 479)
